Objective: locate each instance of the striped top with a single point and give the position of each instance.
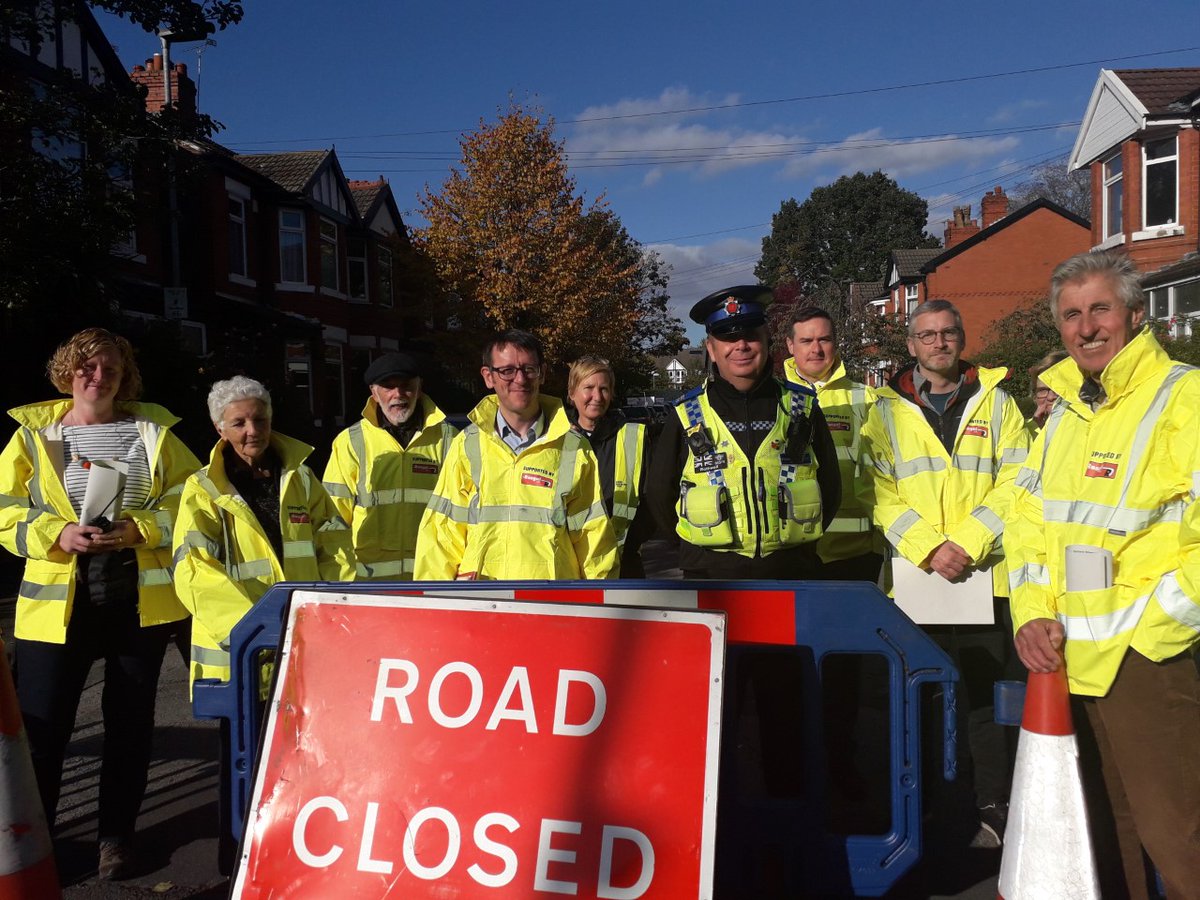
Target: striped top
(118, 440)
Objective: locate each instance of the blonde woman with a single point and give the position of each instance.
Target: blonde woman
(99, 589)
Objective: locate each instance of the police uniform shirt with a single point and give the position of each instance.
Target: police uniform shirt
(749, 416)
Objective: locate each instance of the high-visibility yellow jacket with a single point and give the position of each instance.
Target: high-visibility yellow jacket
(34, 509)
(382, 489)
(845, 404)
(537, 514)
(628, 463)
(921, 496)
(753, 485)
(224, 561)
(1125, 478)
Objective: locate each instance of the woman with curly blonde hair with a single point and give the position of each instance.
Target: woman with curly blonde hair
(97, 589)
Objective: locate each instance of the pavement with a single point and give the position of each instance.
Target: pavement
(177, 830)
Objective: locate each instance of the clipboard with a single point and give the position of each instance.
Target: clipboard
(105, 491)
(929, 599)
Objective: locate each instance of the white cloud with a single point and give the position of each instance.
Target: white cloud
(1011, 111)
(871, 150)
(680, 143)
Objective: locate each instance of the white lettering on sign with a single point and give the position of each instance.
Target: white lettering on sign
(515, 686)
(432, 873)
(548, 850)
(306, 856)
(547, 854)
(501, 851)
(605, 889)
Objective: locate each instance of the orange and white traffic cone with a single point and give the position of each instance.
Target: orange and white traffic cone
(1047, 847)
(27, 867)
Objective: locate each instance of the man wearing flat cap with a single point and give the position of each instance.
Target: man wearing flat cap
(384, 467)
(746, 471)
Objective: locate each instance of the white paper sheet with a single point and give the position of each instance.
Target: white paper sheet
(105, 490)
(929, 599)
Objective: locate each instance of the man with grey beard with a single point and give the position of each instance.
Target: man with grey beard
(383, 468)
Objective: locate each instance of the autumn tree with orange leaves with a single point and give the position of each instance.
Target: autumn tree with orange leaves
(515, 246)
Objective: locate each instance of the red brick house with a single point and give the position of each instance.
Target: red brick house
(990, 268)
(1139, 138)
(289, 269)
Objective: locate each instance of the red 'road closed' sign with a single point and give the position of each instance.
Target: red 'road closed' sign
(425, 747)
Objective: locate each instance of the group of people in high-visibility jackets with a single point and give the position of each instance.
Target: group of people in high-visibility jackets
(1086, 520)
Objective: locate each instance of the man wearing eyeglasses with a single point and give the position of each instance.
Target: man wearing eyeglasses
(943, 445)
(519, 495)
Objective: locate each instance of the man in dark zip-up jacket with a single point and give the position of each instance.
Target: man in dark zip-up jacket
(752, 408)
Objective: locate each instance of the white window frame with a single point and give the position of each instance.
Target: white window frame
(1146, 164)
(353, 262)
(333, 355)
(912, 293)
(291, 229)
(231, 221)
(1109, 181)
(1180, 325)
(330, 241)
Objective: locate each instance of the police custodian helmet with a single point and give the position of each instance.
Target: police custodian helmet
(732, 309)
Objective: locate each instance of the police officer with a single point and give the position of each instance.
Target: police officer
(383, 468)
(745, 472)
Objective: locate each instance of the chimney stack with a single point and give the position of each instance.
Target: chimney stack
(183, 89)
(961, 228)
(994, 206)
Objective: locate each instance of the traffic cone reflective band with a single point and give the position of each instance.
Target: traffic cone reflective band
(27, 868)
(1047, 848)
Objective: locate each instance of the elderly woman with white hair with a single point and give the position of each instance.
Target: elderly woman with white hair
(255, 515)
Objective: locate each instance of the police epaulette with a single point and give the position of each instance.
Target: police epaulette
(802, 388)
(693, 393)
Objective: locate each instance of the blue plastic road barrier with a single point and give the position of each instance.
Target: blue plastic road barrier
(1009, 702)
(787, 837)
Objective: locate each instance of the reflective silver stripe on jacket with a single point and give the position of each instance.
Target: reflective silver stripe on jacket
(981, 465)
(1176, 603)
(627, 510)
(251, 568)
(849, 525)
(1106, 626)
(445, 507)
(1029, 573)
(917, 465)
(394, 496)
(208, 656)
(299, 550)
(1113, 518)
(35, 591)
(359, 444)
(337, 489)
(475, 461)
(989, 520)
(387, 568)
(901, 526)
(155, 577)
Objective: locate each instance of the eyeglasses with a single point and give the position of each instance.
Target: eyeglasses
(1043, 392)
(949, 335)
(508, 373)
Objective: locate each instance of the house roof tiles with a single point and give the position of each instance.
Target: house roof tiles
(291, 171)
(909, 262)
(1162, 91)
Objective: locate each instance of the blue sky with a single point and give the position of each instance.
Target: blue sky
(784, 97)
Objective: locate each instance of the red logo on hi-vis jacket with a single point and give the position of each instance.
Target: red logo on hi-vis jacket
(976, 431)
(424, 468)
(1101, 470)
(536, 480)
(298, 518)
(837, 426)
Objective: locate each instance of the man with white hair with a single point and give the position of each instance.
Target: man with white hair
(383, 468)
(1103, 550)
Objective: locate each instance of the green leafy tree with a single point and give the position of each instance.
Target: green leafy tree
(1017, 341)
(843, 232)
(514, 246)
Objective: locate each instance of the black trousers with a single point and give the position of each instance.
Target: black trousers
(50, 680)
